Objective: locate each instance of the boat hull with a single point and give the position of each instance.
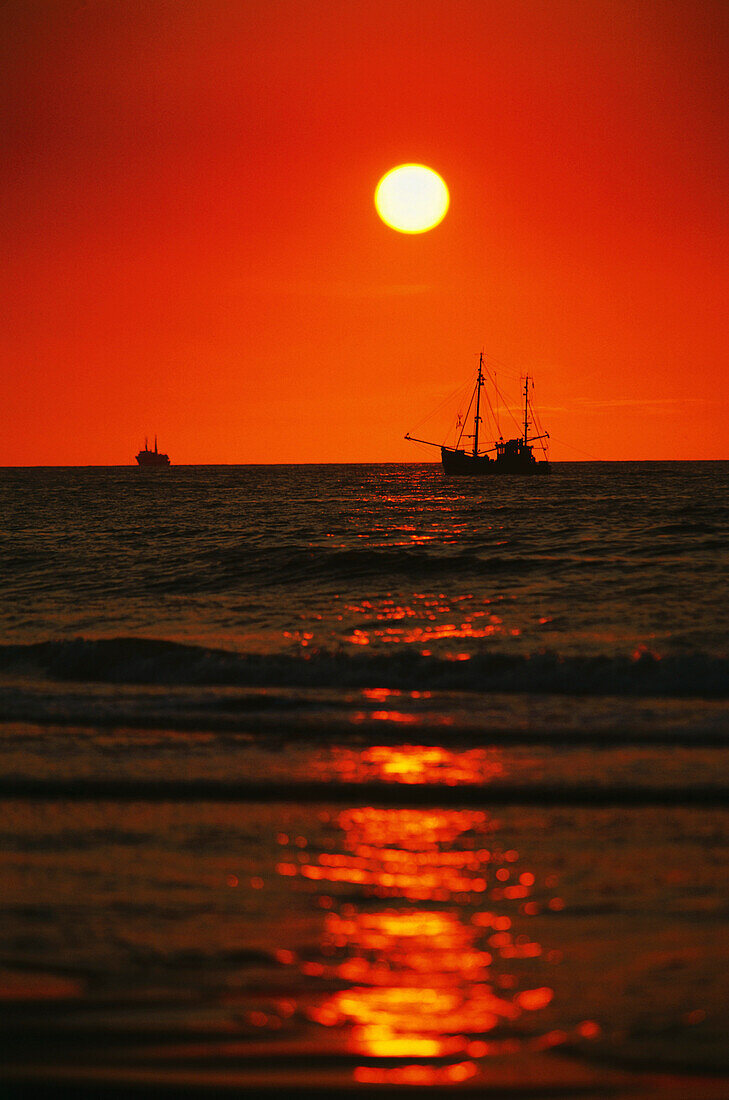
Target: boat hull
(459, 462)
(462, 464)
(152, 459)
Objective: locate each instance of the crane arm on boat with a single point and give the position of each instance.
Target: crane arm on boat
(427, 442)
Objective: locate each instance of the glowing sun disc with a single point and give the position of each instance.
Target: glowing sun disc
(411, 198)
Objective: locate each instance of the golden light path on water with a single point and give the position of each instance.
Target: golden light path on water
(426, 924)
(430, 623)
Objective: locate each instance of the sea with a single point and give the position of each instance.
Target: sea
(359, 778)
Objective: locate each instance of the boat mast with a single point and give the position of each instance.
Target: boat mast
(526, 407)
(477, 418)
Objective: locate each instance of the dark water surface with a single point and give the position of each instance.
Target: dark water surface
(359, 776)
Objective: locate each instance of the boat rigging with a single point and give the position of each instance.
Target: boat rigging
(510, 456)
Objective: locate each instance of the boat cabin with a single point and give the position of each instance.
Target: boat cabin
(513, 448)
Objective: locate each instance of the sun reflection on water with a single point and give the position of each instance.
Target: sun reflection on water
(425, 937)
(417, 763)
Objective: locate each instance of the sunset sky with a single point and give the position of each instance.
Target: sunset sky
(191, 245)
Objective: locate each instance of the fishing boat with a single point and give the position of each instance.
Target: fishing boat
(502, 456)
(152, 458)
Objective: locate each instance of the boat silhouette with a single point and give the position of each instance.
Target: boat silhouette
(152, 458)
(503, 456)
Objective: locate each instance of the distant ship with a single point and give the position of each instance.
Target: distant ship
(152, 458)
(510, 456)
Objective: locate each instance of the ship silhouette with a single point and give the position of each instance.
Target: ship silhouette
(152, 458)
(503, 456)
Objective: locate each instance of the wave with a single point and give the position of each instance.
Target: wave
(237, 568)
(158, 662)
(287, 566)
(375, 793)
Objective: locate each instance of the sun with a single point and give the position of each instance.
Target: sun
(411, 198)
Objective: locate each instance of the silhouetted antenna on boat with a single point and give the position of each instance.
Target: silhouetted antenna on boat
(477, 418)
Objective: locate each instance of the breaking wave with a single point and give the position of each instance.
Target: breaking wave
(157, 662)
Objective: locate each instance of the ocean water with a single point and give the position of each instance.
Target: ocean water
(363, 777)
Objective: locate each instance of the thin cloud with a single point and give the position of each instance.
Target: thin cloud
(340, 290)
(641, 403)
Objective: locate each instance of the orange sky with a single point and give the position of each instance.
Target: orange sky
(191, 246)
